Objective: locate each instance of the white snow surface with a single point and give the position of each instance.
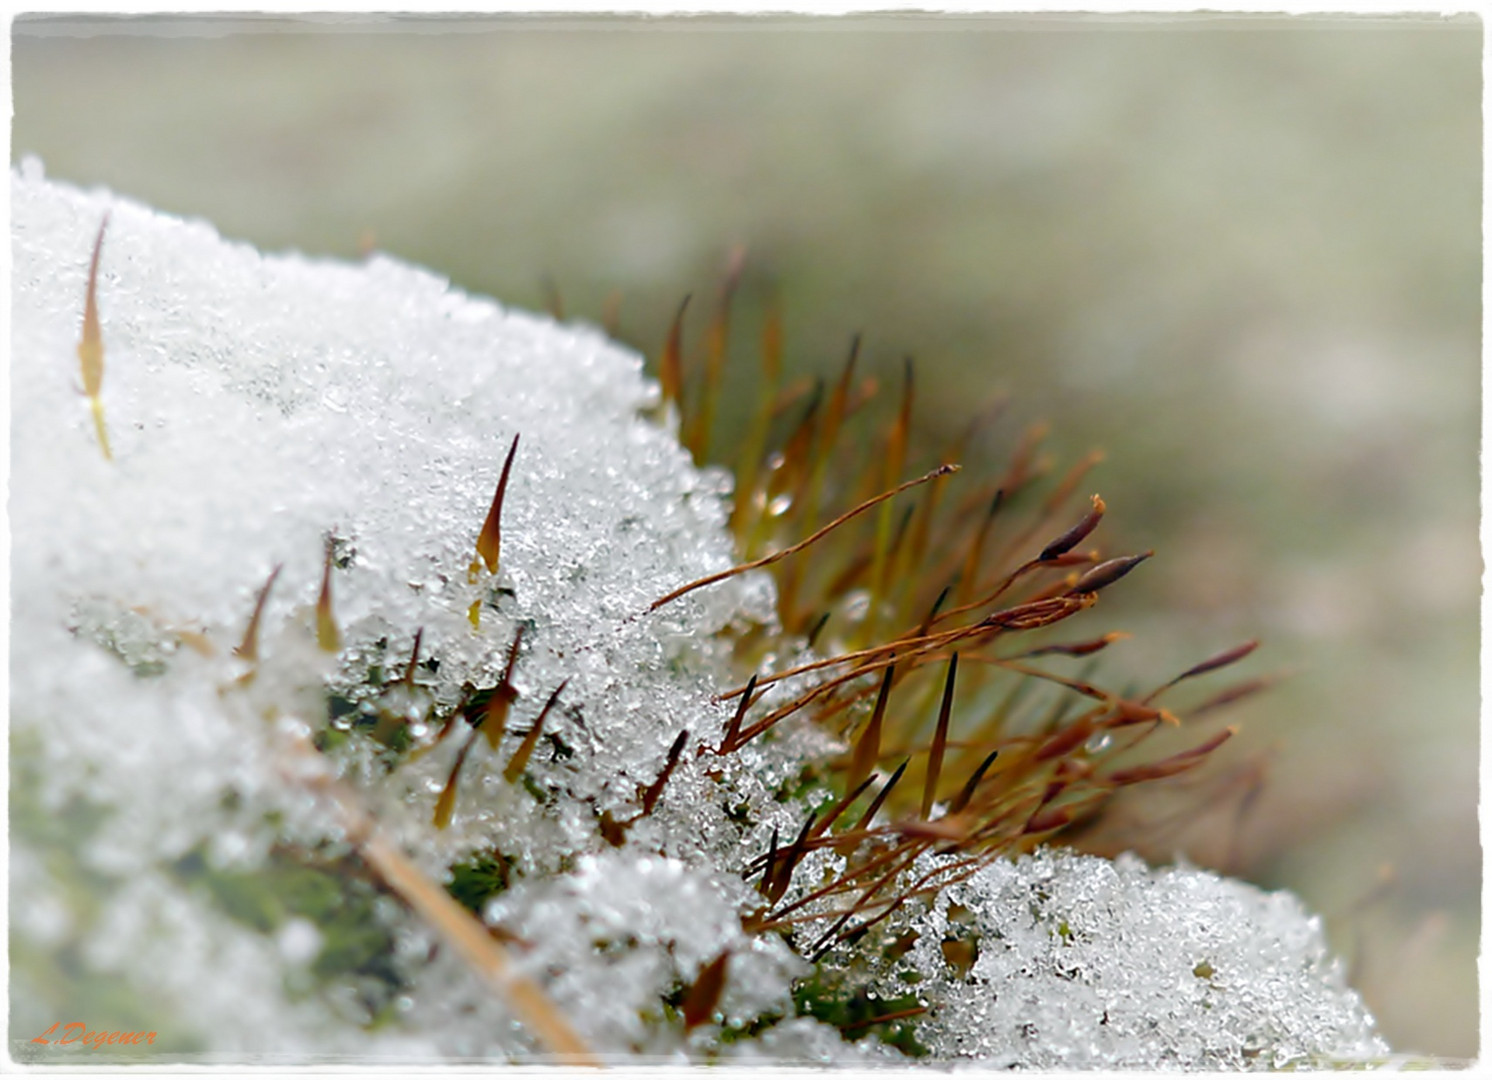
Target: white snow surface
(1089, 963)
(255, 405)
(258, 404)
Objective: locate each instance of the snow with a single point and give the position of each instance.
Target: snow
(258, 405)
(1087, 963)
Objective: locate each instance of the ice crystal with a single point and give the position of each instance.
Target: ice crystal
(270, 411)
(1081, 962)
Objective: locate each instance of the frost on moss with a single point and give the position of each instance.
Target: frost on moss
(170, 867)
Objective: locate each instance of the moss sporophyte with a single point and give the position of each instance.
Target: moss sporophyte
(532, 746)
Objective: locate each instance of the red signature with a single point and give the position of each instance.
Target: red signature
(77, 1032)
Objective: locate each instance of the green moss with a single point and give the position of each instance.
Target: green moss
(829, 998)
(335, 893)
(800, 785)
(53, 983)
(479, 879)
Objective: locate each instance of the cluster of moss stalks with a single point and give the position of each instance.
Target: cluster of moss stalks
(933, 603)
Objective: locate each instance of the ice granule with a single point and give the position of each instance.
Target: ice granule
(1084, 962)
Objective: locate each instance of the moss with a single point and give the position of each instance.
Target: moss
(51, 984)
(829, 998)
(479, 879)
(335, 893)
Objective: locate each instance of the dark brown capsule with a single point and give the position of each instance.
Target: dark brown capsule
(1106, 573)
(1175, 763)
(1222, 659)
(1075, 535)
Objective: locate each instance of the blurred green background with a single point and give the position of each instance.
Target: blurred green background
(1241, 255)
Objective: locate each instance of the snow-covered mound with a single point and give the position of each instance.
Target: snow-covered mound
(172, 871)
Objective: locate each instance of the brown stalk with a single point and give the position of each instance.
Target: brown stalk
(768, 560)
(843, 658)
(1020, 472)
(886, 1018)
(611, 314)
(1221, 660)
(923, 532)
(717, 347)
(1078, 648)
(769, 865)
(840, 884)
(795, 454)
(414, 658)
(994, 593)
(839, 808)
(875, 805)
(1228, 696)
(968, 575)
(1175, 763)
(671, 364)
(477, 947)
(826, 940)
(1066, 740)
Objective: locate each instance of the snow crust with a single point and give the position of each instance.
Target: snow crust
(257, 405)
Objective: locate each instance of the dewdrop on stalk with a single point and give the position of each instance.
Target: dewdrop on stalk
(345, 727)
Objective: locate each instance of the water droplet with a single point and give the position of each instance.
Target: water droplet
(856, 604)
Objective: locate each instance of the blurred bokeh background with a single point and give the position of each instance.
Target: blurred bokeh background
(1240, 255)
